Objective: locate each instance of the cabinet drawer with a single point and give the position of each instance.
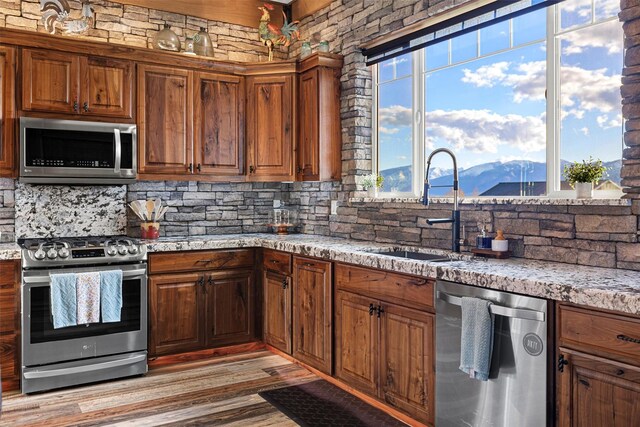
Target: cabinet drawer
(199, 260)
(393, 287)
(600, 333)
(276, 261)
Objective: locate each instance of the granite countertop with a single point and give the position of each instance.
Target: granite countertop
(605, 288)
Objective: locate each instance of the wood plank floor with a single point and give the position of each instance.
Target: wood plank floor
(222, 391)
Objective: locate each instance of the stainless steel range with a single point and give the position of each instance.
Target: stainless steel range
(53, 358)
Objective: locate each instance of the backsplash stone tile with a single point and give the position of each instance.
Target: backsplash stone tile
(66, 211)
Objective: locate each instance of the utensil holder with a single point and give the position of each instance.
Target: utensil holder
(149, 230)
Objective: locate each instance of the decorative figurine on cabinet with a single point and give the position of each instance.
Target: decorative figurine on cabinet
(272, 36)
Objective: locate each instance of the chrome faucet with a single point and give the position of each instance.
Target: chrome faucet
(455, 214)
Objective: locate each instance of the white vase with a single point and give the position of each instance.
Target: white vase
(371, 192)
(584, 190)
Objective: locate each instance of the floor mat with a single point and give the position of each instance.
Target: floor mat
(319, 404)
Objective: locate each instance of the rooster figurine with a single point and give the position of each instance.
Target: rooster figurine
(56, 12)
(272, 36)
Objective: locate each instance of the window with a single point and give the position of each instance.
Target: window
(516, 101)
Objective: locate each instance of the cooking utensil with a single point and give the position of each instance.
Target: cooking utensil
(162, 211)
(149, 206)
(156, 209)
(135, 207)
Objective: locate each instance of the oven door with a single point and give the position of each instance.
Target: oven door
(42, 344)
(74, 152)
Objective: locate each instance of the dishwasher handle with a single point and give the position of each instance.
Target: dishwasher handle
(499, 310)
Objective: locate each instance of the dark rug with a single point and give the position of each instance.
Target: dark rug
(319, 403)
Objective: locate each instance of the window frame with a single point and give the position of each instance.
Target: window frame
(553, 112)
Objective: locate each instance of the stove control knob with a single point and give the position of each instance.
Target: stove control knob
(52, 253)
(63, 253)
(40, 254)
(133, 250)
(111, 251)
(122, 250)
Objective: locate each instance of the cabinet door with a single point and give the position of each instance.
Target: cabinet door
(594, 391)
(107, 86)
(230, 307)
(8, 142)
(50, 81)
(357, 341)
(219, 124)
(312, 313)
(308, 143)
(10, 324)
(269, 128)
(407, 360)
(165, 104)
(277, 310)
(176, 313)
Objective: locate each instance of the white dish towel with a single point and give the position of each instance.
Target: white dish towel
(88, 298)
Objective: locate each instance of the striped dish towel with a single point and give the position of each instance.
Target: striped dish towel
(88, 297)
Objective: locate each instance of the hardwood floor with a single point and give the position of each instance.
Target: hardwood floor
(222, 391)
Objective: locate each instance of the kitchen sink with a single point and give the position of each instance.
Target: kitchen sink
(417, 255)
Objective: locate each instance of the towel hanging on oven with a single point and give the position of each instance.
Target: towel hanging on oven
(111, 295)
(88, 297)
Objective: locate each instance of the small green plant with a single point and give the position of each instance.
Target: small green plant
(369, 181)
(587, 171)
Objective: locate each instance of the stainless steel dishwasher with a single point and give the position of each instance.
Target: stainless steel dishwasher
(516, 392)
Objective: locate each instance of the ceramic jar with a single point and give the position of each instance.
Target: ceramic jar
(166, 39)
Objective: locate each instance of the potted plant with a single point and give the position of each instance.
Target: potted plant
(582, 176)
(372, 183)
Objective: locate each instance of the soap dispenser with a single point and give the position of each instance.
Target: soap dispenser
(482, 240)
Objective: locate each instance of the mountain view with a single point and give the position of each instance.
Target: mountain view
(480, 178)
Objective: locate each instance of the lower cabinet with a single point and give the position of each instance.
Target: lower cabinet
(598, 368)
(312, 313)
(201, 309)
(277, 313)
(382, 347)
(10, 324)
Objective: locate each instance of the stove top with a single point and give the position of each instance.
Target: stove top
(81, 251)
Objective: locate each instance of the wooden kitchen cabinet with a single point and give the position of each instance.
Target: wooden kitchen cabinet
(277, 296)
(219, 124)
(176, 310)
(8, 117)
(312, 313)
(270, 145)
(229, 307)
(383, 345)
(10, 324)
(319, 128)
(165, 125)
(598, 368)
(202, 299)
(58, 82)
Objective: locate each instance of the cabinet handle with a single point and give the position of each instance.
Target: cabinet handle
(300, 169)
(211, 282)
(274, 261)
(619, 372)
(200, 282)
(85, 107)
(562, 362)
(251, 169)
(628, 339)
(199, 167)
(380, 311)
(584, 382)
(285, 283)
(308, 264)
(203, 261)
(372, 309)
(190, 167)
(75, 106)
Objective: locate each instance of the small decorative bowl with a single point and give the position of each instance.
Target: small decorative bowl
(500, 245)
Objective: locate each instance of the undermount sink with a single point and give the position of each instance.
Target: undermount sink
(417, 255)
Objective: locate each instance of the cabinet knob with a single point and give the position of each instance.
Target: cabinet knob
(85, 107)
(300, 169)
(562, 362)
(199, 167)
(251, 169)
(75, 106)
(380, 310)
(285, 283)
(372, 309)
(190, 167)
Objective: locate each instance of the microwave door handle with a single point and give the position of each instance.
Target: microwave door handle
(118, 142)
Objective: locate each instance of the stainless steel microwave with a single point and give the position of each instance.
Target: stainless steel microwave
(74, 152)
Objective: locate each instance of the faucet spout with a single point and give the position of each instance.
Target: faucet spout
(455, 214)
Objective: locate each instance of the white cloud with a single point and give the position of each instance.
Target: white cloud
(585, 131)
(388, 131)
(394, 116)
(607, 35)
(487, 75)
(484, 131)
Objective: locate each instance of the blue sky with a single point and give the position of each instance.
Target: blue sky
(493, 108)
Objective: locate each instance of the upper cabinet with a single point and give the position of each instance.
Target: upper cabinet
(165, 127)
(270, 149)
(319, 129)
(58, 82)
(7, 111)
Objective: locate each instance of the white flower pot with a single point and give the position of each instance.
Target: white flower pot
(371, 192)
(584, 190)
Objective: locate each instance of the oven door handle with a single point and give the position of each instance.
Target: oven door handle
(118, 142)
(85, 368)
(47, 278)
